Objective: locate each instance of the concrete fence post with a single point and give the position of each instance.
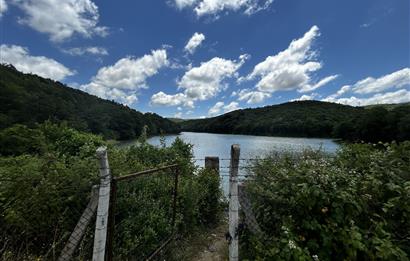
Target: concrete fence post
(101, 224)
(234, 203)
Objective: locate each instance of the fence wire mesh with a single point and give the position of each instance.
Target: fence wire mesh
(144, 214)
(38, 216)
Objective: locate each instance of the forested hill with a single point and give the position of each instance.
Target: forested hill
(299, 118)
(311, 119)
(29, 99)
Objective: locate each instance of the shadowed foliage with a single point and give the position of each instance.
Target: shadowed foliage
(28, 99)
(312, 119)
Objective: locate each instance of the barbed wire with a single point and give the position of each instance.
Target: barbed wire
(244, 159)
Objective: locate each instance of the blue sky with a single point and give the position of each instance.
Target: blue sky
(200, 58)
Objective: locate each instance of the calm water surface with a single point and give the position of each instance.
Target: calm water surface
(210, 144)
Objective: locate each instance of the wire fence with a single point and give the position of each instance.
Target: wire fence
(140, 231)
(146, 222)
(38, 217)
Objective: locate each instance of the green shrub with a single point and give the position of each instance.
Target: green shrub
(354, 206)
(210, 197)
(45, 187)
(20, 139)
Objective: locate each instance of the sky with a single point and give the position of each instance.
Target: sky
(202, 58)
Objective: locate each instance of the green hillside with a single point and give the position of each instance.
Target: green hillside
(29, 99)
(388, 107)
(313, 119)
(300, 119)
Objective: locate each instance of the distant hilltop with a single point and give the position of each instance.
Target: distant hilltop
(312, 119)
(29, 99)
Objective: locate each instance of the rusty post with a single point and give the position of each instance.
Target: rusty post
(212, 163)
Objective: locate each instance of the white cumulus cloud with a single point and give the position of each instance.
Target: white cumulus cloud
(93, 50)
(122, 80)
(307, 97)
(201, 83)
(163, 99)
(252, 96)
(220, 107)
(61, 19)
(194, 42)
(21, 58)
(214, 7)
(184, 3)
(216, 109)
(205, 81)
(370, 85)
(340, 92)
(233, 106)
(396, 79)
(398, 96)
(323, 82)
(290, 69)
(3, 7)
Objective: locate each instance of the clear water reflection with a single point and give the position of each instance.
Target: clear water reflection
(210, 144)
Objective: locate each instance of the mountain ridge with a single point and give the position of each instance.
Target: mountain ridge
(296, 119)
(29, 99)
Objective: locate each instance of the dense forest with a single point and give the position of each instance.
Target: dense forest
(312, 119)
(300, 119)
(377, 123)
(29, 99)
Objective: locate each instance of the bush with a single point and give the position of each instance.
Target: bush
(210, 204)
(20, 139)
(45, 187)
(353, 206)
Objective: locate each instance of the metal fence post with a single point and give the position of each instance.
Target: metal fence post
(234, 203)
(101, 224)
(212, 163)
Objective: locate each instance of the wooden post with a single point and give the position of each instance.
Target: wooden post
(101, 223)
(212, 163)
(234, 203)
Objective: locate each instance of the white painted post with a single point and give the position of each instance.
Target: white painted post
(101, 223)
(234, 203)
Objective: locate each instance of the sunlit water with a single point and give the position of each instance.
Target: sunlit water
(219, 145)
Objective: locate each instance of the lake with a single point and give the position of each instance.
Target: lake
(219, 145)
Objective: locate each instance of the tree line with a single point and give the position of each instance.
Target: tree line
(312, 119)
(29, 99)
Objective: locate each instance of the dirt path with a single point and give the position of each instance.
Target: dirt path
(215, 247)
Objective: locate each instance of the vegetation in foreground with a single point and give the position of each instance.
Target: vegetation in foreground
(353, 206)
(46, 175)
